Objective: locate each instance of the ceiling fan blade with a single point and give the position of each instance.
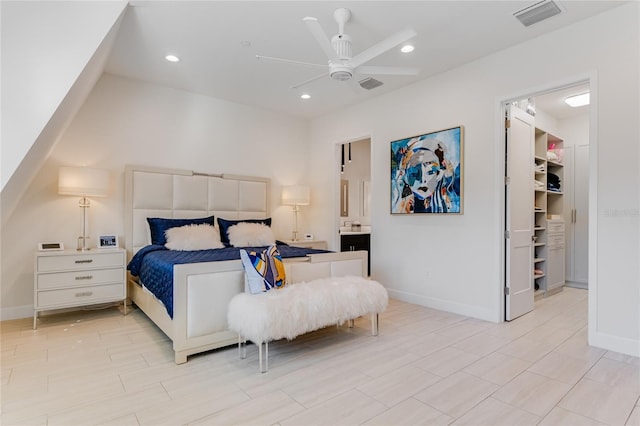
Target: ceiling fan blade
(314, 26)
(387, 70)
(317, 77)
(380, 48)
(289, 61)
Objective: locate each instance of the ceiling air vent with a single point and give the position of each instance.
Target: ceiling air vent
(537, 12)
(370, 83)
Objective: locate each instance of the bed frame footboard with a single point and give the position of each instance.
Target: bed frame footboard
(202, 291)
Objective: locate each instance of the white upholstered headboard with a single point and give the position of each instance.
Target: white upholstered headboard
(171, 193)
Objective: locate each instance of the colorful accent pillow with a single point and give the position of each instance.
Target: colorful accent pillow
(225, 224)
(193, 237)
(158, 226)
(247, 234)
(264, 270)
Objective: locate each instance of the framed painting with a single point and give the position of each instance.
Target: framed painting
(426, 173)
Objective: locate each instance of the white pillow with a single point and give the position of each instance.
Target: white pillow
(193, 237)
(245, 234)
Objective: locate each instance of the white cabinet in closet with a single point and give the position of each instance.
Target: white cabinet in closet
(548, 205)
(555, 254)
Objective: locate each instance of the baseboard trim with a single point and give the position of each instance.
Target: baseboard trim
(446, 305)
(619, 344)
(16, 312)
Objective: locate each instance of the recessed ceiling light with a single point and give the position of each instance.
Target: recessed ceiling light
(578, 100)
(172, 58)
(407, 48)
(305, 96)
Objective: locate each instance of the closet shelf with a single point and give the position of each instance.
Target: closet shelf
(547, 256)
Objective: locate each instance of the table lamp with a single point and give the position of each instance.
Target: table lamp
(296, 196)
(83, 182)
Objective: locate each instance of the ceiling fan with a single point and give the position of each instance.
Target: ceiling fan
(342, 65)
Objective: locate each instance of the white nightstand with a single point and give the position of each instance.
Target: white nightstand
(314, 244)
(71, 278)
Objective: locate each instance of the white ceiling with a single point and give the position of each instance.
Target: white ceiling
(208, 36)
(553, 103)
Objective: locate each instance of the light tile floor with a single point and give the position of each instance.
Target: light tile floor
(426, 367)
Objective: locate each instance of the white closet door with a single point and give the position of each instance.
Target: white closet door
(580, 244)
(519, 214)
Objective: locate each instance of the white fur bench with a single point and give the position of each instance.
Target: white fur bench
(303, 307)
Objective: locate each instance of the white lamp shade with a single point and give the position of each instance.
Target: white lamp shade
(83, 182)
(296, 195)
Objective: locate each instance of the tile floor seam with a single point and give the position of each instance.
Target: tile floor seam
(523, 408)
(630, 413)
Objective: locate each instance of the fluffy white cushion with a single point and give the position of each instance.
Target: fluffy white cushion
(245, 234)
(303, 307)
(193, 237)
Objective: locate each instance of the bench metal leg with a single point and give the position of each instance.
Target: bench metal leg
(374, 324)
(266, 357)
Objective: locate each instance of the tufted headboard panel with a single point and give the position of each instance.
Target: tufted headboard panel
(171, 193)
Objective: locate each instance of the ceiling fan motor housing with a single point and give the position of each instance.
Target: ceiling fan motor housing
(342, 45)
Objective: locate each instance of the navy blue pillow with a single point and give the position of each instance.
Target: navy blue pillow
(157, 226)
(225, 224)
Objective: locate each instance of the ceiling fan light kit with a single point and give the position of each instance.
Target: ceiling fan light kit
(341, 72)
(342, 65)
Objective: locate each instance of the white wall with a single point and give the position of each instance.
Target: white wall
(454, 262)
(129, 122)
(45, 47)
(574, 130)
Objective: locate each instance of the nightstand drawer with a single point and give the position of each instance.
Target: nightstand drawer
(79, 261)
(80, 295)
(80, 278)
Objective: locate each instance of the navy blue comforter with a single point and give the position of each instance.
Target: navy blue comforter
(153, 265)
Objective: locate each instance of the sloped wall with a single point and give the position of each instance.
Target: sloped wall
(129, 122)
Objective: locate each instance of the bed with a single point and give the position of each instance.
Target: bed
(202, 290)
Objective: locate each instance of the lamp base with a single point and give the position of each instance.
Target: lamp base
(82, 244)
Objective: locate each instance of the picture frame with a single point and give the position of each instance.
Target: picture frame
(108, 241)
(52, 246)
(427, 173)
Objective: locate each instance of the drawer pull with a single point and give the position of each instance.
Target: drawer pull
(84, 294)
(84, 261)
(84, 277)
